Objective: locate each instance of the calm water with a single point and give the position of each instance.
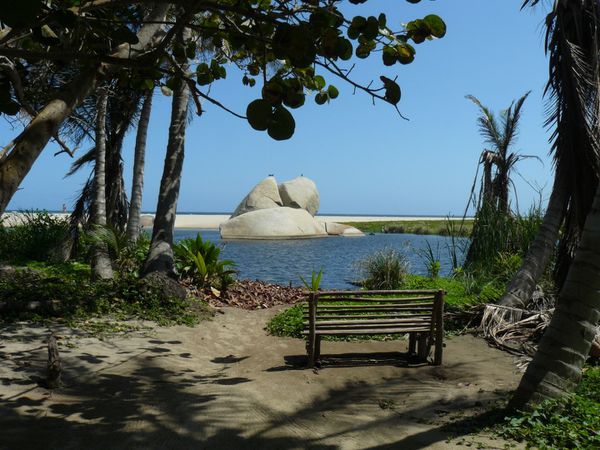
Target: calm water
(283, 261)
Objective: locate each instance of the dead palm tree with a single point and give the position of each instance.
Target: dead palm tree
(573, 43)
(499, 134)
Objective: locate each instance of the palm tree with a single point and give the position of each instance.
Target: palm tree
(135, 206)
(101, 264)
(557, 365)
(573, 40)
(160, 256)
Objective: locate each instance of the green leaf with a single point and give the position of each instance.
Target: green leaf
(259, 114)
(332, 91)
(392, 90)
(319, 82)
(321, 98)
(282, 124)
(436, 25)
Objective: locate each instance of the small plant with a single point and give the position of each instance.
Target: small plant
(431, 259)
(199, 260)
(385, 269)
(315, 281)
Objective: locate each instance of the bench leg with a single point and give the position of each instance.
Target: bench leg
(423, 346)
(412, 343)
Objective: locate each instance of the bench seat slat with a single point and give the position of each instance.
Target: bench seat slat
(345, 332)
(427, 305)
(333, 316)
(369, 321)
(374, 300)
(378, 292)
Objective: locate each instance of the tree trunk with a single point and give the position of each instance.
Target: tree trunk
(30, 143)
(160, 257)
(520, 289)
(557, 365)
(101, 264)
(135, 206)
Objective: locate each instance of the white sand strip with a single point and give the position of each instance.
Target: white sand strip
(212, 221)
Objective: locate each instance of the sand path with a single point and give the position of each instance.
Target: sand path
(226, 384)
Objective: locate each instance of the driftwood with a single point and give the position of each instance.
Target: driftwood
(54, 366)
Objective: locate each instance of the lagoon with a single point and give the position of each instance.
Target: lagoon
(284, 261)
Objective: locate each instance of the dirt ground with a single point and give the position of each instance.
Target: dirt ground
(226, 384)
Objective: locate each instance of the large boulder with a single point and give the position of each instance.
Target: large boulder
(273, 223)
(301, 192)
(339, 229)
(264, 195)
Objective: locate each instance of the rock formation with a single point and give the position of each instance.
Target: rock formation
(281, 212)
(264, 195)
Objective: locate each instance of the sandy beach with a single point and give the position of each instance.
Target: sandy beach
(212, 221)
(226, 384)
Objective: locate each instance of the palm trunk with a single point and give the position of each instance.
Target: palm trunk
(135, 206)
(101, 265)
(557, 365)
(30, 143)
(520, 289)
(160, 257)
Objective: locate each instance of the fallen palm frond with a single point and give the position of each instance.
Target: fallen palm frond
(517, 330)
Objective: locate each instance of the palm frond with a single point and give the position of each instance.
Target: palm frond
(488, 125)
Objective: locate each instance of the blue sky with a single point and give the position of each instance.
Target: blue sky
(364, 158)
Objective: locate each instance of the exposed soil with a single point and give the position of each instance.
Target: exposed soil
(226, 384)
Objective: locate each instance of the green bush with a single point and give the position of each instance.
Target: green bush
(287, 323)
(385, 269)
(199, 260)
(66, 291)
(571, 423)
(39, 237)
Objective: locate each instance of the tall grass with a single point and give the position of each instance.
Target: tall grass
(499, 235)
(385, 269)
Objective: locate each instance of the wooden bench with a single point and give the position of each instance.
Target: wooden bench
(418, 313)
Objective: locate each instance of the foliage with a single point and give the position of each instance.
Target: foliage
(431, 259)
(384, 269)
(199, 260)
(571, 422)
(315, 281)
(447, 227)
(288, 323)
(39, 237)
(499, 237)
(281, 43)
(66, 292)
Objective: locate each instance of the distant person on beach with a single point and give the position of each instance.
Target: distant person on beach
(64, 208)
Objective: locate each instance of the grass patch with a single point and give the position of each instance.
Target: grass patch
(571, 422)
(66, 293)
(462, 293)
(438, 227)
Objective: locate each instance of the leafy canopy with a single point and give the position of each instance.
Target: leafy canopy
(288, 46)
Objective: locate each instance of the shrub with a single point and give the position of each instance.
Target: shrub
(571, 422)
(39, 237)
(66, 291)
(385, 269)
(199, 260)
